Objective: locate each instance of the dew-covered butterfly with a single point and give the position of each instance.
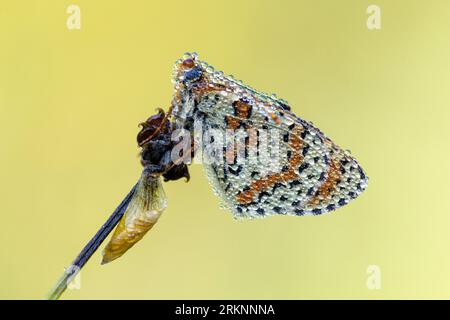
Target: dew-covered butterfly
(314, 175)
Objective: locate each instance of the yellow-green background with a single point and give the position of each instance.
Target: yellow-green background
(70, 102)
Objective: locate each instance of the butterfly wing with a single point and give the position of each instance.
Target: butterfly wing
(299, 172)
(314, 177)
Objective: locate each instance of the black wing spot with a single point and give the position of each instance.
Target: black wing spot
(322, 176)
(285, 106)
(262, 194)
(294, 183)
(304, 133)
(361, 172)
(305, 150)
(303, 167)
(279, 210)
(277, 185)
(235, 172)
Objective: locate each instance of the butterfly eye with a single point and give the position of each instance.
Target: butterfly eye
(192, 75)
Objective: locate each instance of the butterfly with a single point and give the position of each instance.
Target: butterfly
(315, 176)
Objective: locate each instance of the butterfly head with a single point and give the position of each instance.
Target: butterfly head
(188, 70)
(188, 75)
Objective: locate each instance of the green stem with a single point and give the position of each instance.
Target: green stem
(89, 249)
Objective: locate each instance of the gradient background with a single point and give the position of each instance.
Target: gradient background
(70, 102)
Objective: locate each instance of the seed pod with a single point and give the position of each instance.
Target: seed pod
(144, 210)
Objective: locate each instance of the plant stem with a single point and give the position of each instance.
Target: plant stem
(90, 248)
